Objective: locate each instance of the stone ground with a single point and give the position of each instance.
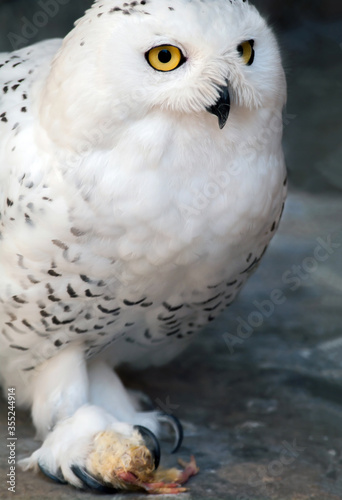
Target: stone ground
(262, 414)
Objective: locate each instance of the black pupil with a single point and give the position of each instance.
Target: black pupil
(164, 56)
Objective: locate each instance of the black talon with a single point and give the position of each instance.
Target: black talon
(152, 443)
(90, 481)
(58, 479)
(176, 426)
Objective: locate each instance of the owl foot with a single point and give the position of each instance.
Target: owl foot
(92, 450)
(112, 455)
(88, 448)
(107, 471)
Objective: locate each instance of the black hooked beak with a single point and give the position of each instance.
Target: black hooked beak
(222, 107)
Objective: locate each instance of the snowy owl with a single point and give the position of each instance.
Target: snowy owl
(142, 178)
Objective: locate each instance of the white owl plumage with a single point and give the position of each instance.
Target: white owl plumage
(129, 219)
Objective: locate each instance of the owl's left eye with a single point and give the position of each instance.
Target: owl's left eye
(165, 57)
(246, 51)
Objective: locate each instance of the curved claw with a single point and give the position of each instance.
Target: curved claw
(90, 481)
(58, 479)
(176, 426)
(151, 442)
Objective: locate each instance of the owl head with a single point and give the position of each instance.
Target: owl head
(185, 59)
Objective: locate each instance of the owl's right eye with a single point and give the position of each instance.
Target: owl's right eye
(165, 58)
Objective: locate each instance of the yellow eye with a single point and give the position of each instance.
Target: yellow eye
(165, 58)
(246, 51)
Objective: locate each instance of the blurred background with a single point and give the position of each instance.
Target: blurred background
(261, 405)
